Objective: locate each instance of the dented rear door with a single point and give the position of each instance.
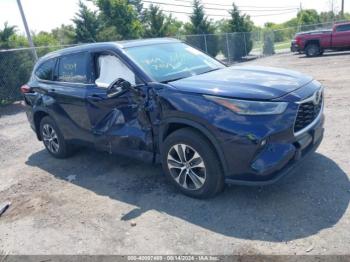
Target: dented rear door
(121, 124)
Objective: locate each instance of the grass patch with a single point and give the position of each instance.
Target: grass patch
(4, 102)
(285, 45)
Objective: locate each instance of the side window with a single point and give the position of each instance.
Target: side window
(73, 68)
(46, 69)
(343, 28)
(110, 68)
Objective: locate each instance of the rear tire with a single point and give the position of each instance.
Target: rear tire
(191, 164)
(53, 139)
(312, 50)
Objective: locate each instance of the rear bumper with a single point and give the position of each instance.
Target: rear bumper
(30, 114)
(279, 160)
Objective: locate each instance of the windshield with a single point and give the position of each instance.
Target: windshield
(172, 61)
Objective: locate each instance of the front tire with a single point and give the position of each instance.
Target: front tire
(53, 139)
(312, 50)
(191, 164)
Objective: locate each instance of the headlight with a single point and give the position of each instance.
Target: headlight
(246, 107)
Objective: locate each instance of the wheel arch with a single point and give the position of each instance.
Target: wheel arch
(173, 124)
(37, 117)
(313, 41)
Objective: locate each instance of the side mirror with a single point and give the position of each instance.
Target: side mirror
(117, 87)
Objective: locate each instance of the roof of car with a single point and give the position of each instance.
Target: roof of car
(314, 32)
(119, 44)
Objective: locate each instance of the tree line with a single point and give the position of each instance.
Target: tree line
(128, 19)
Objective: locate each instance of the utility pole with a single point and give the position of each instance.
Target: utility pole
(29, 37)
(332, 13)
(301, 17)
(342, 9)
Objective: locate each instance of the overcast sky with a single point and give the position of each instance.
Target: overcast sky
(48, 14)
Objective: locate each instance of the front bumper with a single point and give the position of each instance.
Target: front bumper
(279, 159)
(294, 47)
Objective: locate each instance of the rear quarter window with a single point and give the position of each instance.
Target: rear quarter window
(46, 69)
(73, 68)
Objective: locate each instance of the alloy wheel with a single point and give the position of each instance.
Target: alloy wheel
(50, 138)
(186, 166)
(313, 50)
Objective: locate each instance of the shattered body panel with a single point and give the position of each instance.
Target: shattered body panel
(121, 124)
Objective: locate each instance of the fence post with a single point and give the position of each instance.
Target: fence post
(205, 43)
(261, 40)
(245, 44)
(228, 49)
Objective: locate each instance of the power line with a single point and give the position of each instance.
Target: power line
(273, 14)
(221, 9)
(230, 5)
(224, 16)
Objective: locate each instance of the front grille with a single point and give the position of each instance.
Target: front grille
(308, 111)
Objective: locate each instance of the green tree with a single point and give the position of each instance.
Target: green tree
(87, 24)
(15, 66)
(238, 22)
(176, 27)
(108, 33)
(65, 34)
(199, 21)
(201, 27)
(330, 16)
(239, 41)
(18, 41)
(45, 39)
(308, 16)
(10, 39)
(46, 42)
(138, 5)
(308, 19)
(5, 35)
(281, 32)
(156, 23)
(121, 15)
(304, 21)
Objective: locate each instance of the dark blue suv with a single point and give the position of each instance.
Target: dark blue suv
(161, 100)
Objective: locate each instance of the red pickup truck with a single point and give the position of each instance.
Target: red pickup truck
(314, 43)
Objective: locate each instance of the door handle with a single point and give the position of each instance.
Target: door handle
(52, 90)
(95, 98)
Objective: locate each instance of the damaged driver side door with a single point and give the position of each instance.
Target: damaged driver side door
(117, 107)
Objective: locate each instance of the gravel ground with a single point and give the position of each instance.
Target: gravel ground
(95, 203)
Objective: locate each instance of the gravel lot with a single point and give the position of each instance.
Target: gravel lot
(115, 205)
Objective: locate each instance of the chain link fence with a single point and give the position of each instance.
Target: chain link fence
(15, 68)
(16, 64)
(235, 47)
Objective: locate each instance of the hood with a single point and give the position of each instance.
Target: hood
(246, 82)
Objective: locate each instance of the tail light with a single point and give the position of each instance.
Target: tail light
(298, 40)
(25, 89)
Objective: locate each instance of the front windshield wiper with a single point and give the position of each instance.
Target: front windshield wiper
(211, 70)
(172, 80)
(178, 78)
